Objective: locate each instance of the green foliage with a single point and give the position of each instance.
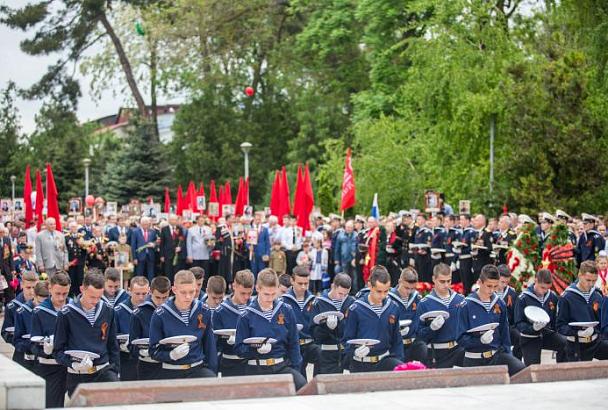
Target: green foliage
(11, 155)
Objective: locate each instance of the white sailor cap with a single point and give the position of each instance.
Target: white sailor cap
(525, 219)
(547, 217)
(360, 218)
(588, 218)
(404, 213)
(562, 215)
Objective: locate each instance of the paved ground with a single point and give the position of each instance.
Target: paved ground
(589, 394)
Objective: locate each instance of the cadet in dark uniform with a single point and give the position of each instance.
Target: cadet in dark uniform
(374, 316)
(113, 294)
(503, 239)
(481, 255)
(508, 295)
(546, 222)
(452, 252)
(88, 323)
(535, 336)
(23, 326)
(28, 283)
(590, 242)
(76, 256)
(422, 255)
(438, 241)
(582, 302)
(406, 230)
(489, 347)
(469, 235)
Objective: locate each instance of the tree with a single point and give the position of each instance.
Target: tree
(11, 155)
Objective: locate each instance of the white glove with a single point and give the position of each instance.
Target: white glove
(437, 323)
(362, 351)
(180, 351)
(405, 330)
(124, 347)
(487, 337)
(144, 353)
(84, 365)
(538, 326)
(231, 340)
(48, 348)
(332, 322)
(265, 348)
(586, 333)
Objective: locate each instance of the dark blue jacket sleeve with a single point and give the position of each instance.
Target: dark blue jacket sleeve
(293, 342)
(563, 318)
(209, 346)
(242, 333)
(466, 340)
(157, 351)
(62, 331)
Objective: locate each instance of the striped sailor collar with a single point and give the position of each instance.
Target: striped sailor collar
(327, 299)
(530, 292)
(76, 306)
(47, 306)
(231, 306)
(574, 289)
(126, 305)
(504, 294)
(19, 300)
(424, 229)
(254, 307)
(474, 297)
(147, 302)
(470, 229)
(364, 301)
(117, 298)
(169, 305)
(29, 306)
(290, 294)
(434, 296)
(394, 293)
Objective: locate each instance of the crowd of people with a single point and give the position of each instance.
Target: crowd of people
(129, 298)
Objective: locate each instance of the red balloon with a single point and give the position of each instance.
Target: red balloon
(249, 91)
(90, 200)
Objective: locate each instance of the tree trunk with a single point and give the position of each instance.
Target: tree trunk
(126, 66)
(153, 76)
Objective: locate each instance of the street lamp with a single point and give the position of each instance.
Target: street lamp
(246, 147)
(13, 179)
(87, 164)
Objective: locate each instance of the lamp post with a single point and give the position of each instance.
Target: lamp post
(246, 147)
(13, 179)
(87, 164)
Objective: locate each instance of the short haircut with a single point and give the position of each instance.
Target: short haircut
(268, 278)
(504, 271)
(409, 275)
(285, 280)
(112, 274)
(199, 273)
(379, 274)
(183, 277)
(29, 276)
(587, 267)
(342, 280)
(216, 285)
(95, 280)
(301, 271)
(441, 269)
(42, 289)
(489, 272)
(139, 281)
(161, 284)
(244, 278)
(60, 279)
(544, 276)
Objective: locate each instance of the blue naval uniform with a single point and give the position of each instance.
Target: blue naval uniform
(9, 317)
(139, 328)
(23, 323)
(509, 297)
(469, 235)
(128, 364)
(575, 306)
(588, 245)
(604, 319)
(443, 345)
(362, 322)
(439, 238)
(327, 339)
(166, 322)
(73, 331)
(121, 296)
(285, 356)
(226, 316)
(407, 311)
(533, 341)
(44, 320)
(311, 353)
(423, 261)
(475, 313)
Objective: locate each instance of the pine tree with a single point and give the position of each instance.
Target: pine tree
(138, 170)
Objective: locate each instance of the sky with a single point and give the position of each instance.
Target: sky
(24, 70)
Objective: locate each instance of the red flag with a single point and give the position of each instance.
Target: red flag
(308, 201)
(239, 204)
(51, 197)
(285, 199)
(39, 200)
(348, 184)
(297, 198)
(275, 193)
(201, 190)
(27, 197)
(191, 197)
(246, 195)
(221, 199)
(212, 195)
(167, 201)
(228, 193)
(179, 201)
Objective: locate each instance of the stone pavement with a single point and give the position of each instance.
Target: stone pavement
(588, 394)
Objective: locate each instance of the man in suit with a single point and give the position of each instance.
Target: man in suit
(261, 251)
(51, 252)
(170, 246)
(120, 228)
(143, 247)
(196, 242)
